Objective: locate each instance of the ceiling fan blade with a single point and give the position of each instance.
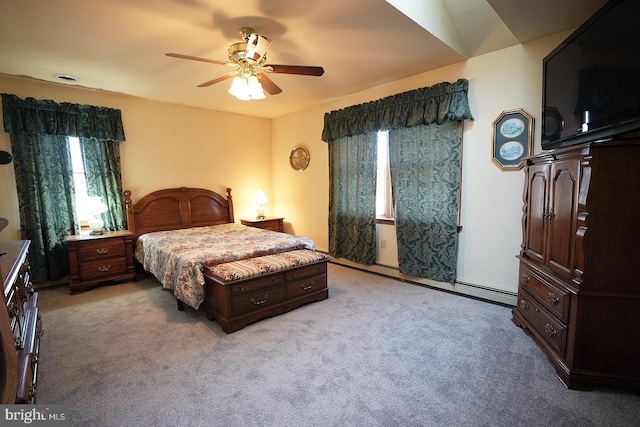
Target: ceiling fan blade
(296, 69)
(195, 58)
(219, 79)
(269, 85)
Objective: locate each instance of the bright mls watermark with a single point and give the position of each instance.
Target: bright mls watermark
(35, 415)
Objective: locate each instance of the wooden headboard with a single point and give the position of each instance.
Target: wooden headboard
(177, 208)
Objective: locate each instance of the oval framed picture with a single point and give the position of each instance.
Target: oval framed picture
(512, 139)
(299, 157)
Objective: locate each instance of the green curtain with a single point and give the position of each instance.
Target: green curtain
(439, 103)
(425, 180)
(44, 177)
(422, 125)
(101, 161)
(46, 201)
(352, 198)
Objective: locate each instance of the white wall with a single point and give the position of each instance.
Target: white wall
(491, 199)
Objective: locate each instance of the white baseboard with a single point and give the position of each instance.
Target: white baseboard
(467, 289)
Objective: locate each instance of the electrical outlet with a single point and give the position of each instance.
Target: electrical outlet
(383, 244)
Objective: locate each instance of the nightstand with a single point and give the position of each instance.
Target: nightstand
(100, 258)
(272, 223)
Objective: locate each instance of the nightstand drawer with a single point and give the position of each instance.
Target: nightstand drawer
(101, 249)
(103, 268)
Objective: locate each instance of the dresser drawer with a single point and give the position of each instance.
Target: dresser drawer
(545, 324)
(254, 301)
(103, 268)
(243, 288)
(101, 249)
(554, 298)
(307, 285)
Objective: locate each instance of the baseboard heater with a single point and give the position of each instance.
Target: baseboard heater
(463, 288)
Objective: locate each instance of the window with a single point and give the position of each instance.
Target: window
(80, 181)
(384, 202)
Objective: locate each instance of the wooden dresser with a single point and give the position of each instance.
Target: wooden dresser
(20, 325)
(100, 258)
(578, 293)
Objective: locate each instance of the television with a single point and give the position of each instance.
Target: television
(591, 81)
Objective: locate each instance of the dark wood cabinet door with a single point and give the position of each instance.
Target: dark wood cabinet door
(537, 200)
(563, 204)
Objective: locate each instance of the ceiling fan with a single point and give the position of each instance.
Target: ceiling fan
(249, 58)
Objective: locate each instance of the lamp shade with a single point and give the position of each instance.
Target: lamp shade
(95, 207)
(260, 199)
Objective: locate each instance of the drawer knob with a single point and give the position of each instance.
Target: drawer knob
(553, 299)
(104, 268)
(524, 304)
(102, 251)
(306, 288)
(550, 331)
(525, 278)
(258, 302)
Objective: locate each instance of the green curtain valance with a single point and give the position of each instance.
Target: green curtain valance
(434, 104)
(33, 116)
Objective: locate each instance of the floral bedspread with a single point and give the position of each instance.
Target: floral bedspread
(176, 257)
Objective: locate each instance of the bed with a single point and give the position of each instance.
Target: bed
(187, 238)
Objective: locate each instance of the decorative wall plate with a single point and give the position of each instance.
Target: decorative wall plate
(299, 157)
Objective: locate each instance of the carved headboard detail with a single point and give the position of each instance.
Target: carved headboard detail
(177, 208)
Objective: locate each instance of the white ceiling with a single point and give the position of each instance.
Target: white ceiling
(119, 45)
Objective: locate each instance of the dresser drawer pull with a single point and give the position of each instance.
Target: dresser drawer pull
(13, 309)
(525, 278)
(102, 251)
(524, 305)
(553, 299)
(550, 331)
(104, 268)
(33, 392)
(262, 301)
(306, 288)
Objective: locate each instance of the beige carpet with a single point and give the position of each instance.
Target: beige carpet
(378, 352)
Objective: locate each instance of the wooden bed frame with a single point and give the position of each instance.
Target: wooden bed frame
(237, 304)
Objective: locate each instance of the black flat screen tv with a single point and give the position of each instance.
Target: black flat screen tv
(591, 82)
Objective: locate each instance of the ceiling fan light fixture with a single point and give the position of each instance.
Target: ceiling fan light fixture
(246, 88)
(255, 88)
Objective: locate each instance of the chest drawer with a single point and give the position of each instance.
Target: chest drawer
(103, 268)
(101, 249)
(554, 298)
(243, 288)
(253, 301)
(306, 285)
(310, 270)
(547, 327)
